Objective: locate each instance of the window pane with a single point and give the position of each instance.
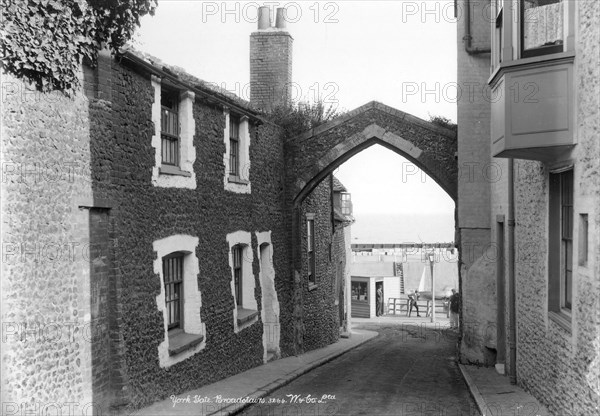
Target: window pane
(170, 150)
(233, 157)
(568, 283)
(234, 128)
(566, 201)
(568, 255)
(169, 127)
(568, 289)
(542, 25)
(237, 283)
(173, 278)
(499, 32)
(360, 291)
(169, 122)
(236, 253)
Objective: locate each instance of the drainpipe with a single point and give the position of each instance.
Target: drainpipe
(512, 340)
(468, 38)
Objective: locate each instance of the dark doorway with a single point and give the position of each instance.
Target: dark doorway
(379, 297)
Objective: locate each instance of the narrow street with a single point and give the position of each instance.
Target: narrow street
(407, 370)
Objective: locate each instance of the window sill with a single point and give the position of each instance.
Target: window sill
(173, 170)
(518, 64)
(312, 286)
(180, 341)
(237, 179)
(562, 319)
(245, 315)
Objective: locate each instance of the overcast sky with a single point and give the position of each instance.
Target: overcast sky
(347, 52)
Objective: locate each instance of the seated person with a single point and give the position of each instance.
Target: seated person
(413, 302)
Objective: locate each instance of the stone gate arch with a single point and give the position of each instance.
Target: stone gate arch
(316, 153)
(311, 156)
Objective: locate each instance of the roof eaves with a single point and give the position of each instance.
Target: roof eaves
(199, 86)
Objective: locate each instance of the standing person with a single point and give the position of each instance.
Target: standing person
(379, 299)
(454, 308)
(413, 302)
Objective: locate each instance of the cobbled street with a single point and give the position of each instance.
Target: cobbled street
(407, 370)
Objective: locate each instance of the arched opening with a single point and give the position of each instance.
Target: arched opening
(414, 215)
(343, 152)
(426, 148)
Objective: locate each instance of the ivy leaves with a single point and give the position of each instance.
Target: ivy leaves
(296, 118)
(45, 41)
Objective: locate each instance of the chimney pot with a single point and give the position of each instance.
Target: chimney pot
(264, 18)
(270, 62)
(280, 22)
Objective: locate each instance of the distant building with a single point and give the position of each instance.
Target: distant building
(399, 269)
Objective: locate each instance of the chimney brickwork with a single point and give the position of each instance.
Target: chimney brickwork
(270, 62)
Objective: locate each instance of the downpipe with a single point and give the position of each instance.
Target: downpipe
(468, 38)
(511, 274)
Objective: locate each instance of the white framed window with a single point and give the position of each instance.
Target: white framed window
(245, 311)
(173, 140)
(234, 147)
(180, 300)
(173, 282)
(237, 153)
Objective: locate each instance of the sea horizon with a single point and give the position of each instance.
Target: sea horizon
(402, 228)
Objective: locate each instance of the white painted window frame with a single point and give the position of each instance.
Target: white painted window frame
(187, 151)
(241, 184)
(192, 298)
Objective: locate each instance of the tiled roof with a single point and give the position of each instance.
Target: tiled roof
(338, 186)
(189, 79)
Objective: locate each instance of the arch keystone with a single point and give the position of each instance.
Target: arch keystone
(373, 130)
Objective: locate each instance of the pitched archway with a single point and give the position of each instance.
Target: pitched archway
(313, 155)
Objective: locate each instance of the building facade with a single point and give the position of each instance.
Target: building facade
(537, 62)
(399, 269)
(146, 242)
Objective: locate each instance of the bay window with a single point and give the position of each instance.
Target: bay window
(532, 86)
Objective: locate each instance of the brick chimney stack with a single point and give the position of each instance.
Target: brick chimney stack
(270, 61)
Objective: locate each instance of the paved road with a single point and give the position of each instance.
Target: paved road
(406, 370)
